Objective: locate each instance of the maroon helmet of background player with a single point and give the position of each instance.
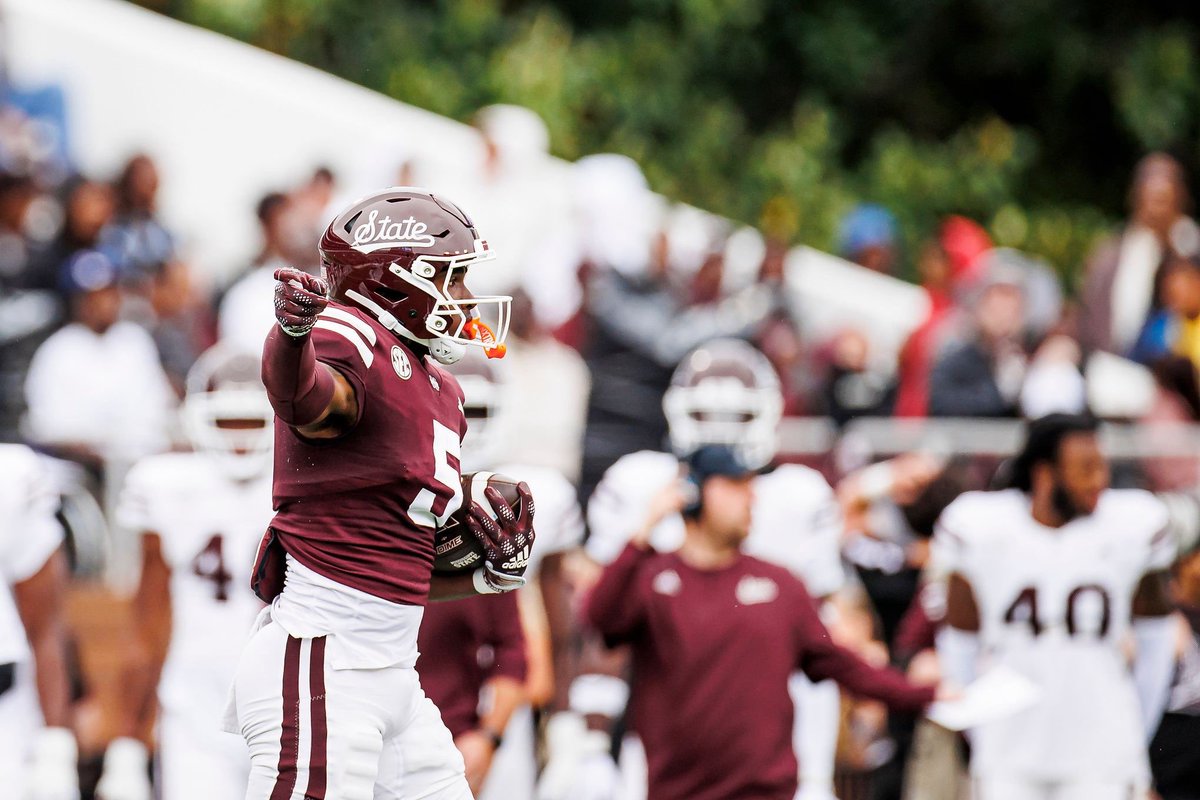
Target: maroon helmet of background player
(386, 254)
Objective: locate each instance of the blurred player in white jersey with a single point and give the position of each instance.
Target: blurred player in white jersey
(200, 516)
(1054, 578)
(544, 610)
(726, 392)
(38, 754)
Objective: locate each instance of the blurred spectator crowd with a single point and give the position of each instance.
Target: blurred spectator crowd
(101, 317)
(616, 287)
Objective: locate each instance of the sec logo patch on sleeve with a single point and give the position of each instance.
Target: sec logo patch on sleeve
(400, 363)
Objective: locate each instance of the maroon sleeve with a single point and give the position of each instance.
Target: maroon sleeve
(506, 638)
(820, 658)
(346, 356)
(298, 387)
(614, 608)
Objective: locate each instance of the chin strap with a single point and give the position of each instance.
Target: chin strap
(446, 351)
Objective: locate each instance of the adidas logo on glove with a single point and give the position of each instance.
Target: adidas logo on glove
(518, 561)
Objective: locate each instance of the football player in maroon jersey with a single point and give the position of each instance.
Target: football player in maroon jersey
(367, 434)
(715, 634)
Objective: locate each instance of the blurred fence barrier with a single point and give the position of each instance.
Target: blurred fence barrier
(888, 436)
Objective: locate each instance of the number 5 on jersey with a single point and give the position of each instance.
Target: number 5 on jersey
(445, 444)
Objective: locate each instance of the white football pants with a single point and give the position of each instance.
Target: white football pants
(326, 734)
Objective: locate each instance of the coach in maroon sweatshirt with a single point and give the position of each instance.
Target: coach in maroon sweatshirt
(715, 634)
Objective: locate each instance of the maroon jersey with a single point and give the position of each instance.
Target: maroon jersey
(712, 653)
(464, 644)
(362, 509)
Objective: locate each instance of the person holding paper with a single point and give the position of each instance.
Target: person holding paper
(1051, 579)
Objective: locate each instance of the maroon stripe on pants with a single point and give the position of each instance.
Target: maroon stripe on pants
(318, 759)
(289, 740)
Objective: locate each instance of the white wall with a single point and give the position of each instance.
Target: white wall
(225, 121)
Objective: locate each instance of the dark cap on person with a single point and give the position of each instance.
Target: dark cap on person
(713, 460)
(87, 271)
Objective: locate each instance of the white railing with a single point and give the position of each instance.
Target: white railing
(887, 436)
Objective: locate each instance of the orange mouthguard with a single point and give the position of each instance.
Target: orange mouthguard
(477, 330)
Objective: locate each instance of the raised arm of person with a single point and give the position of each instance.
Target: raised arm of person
(307, 394)
(613, 607)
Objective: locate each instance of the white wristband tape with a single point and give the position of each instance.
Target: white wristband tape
(598, 694)
(479, 581)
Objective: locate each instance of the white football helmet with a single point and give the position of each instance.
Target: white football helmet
(725, 392)
(226, 412)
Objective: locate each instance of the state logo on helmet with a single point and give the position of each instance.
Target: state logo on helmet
(398, 253)
(725, 392)
(226, 412)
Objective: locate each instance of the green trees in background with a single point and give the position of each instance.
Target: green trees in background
(1024, 114)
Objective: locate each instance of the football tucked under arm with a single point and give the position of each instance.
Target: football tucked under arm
(490, 537)
(455, 550)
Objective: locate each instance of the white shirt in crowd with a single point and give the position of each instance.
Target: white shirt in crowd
(106, 391)
(247, 311)
(549, 383)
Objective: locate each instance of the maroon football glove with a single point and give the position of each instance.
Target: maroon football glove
(299, 298)
(507, 540)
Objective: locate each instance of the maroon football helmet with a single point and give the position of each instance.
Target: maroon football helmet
(383, 253)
